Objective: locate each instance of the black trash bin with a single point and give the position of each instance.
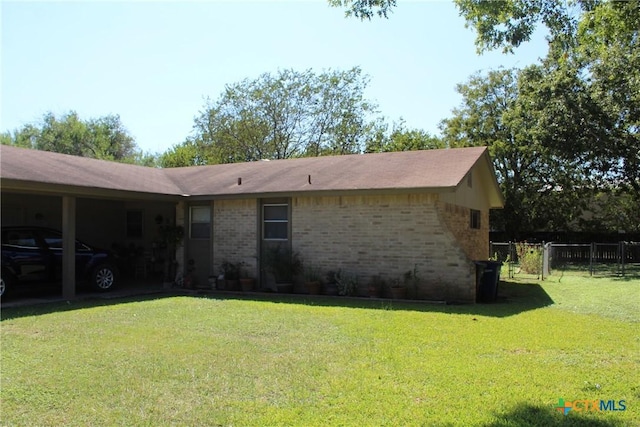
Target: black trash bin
(487, 278)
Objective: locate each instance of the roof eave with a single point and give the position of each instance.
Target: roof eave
(34, 187)
(323, 193)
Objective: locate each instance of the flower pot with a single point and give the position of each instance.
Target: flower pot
(231, 285)
(330, 289)
(285, 288)
(246, 285)
(399, 293)
(313, 288)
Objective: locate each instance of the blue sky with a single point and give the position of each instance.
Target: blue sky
(154, 63)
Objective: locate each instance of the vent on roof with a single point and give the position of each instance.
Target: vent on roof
(309, 179)
(239, 181)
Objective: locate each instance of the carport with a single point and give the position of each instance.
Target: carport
(49, 189)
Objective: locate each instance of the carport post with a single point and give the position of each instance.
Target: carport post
(68, 247)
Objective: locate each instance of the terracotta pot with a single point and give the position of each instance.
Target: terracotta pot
(313, 288)
(246, 285)
(330, 289)
(231, 285)
(399, 293)
(374, 292)
(285, 288)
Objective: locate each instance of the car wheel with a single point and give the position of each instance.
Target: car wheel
(6, 285)
(3, 287)
(104, 277)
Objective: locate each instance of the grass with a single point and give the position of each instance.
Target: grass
(294, 361)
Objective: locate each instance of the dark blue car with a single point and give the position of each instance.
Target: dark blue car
(33, 255)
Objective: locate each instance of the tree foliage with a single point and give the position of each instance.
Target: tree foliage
(592, 72)
(102, 138)
(385, 138)
(541, 190)
(289, 114)
(185, 154)
(509, 23)
(365, 9)
(574, 118)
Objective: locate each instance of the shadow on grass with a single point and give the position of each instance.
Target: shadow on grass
(513, 298)
(531, 415)
(59, 306)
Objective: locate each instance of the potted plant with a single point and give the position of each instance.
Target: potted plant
(211, 280)
(170, 240)
(312, 280)
(284, 264)
(246, 283)
(231, 273)
(347, 283)
(398, 289)
(375, 286)
(411, 281)
(330, 286)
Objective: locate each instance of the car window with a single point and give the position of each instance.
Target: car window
(21, 238)
(52, 239)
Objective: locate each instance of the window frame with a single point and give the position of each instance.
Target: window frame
(192, 222)
(275, 221)
(475, 219)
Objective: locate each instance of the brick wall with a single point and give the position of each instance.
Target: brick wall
(385, 235)
(235, 233)
(474, 242)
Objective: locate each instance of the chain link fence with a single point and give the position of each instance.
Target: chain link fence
(620, 259)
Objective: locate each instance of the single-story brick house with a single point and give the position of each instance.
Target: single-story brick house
(368, 214)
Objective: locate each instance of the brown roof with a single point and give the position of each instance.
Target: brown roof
(408, 170)
(398, 170)
(45, 167)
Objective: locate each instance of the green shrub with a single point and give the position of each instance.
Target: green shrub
(529, 257)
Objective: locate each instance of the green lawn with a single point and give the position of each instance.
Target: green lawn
(293, 361)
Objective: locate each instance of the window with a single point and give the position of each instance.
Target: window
(475, 219)
(470, 179)
(53, 239)
(200, 221)
(275, 224)
(22, 239)
(134, 224)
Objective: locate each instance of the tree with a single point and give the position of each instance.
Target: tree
(185, 154)
(541, 189)
(596, 42)
(509, 23)
(399, 138)
(102, 138)
(609, 56)
(583, 98)
(365, 9)
(289, 114)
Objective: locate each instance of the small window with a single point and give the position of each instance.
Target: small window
(200, 222)
(134, 224)
(475, 219)
(275, 222)
(470, 179)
